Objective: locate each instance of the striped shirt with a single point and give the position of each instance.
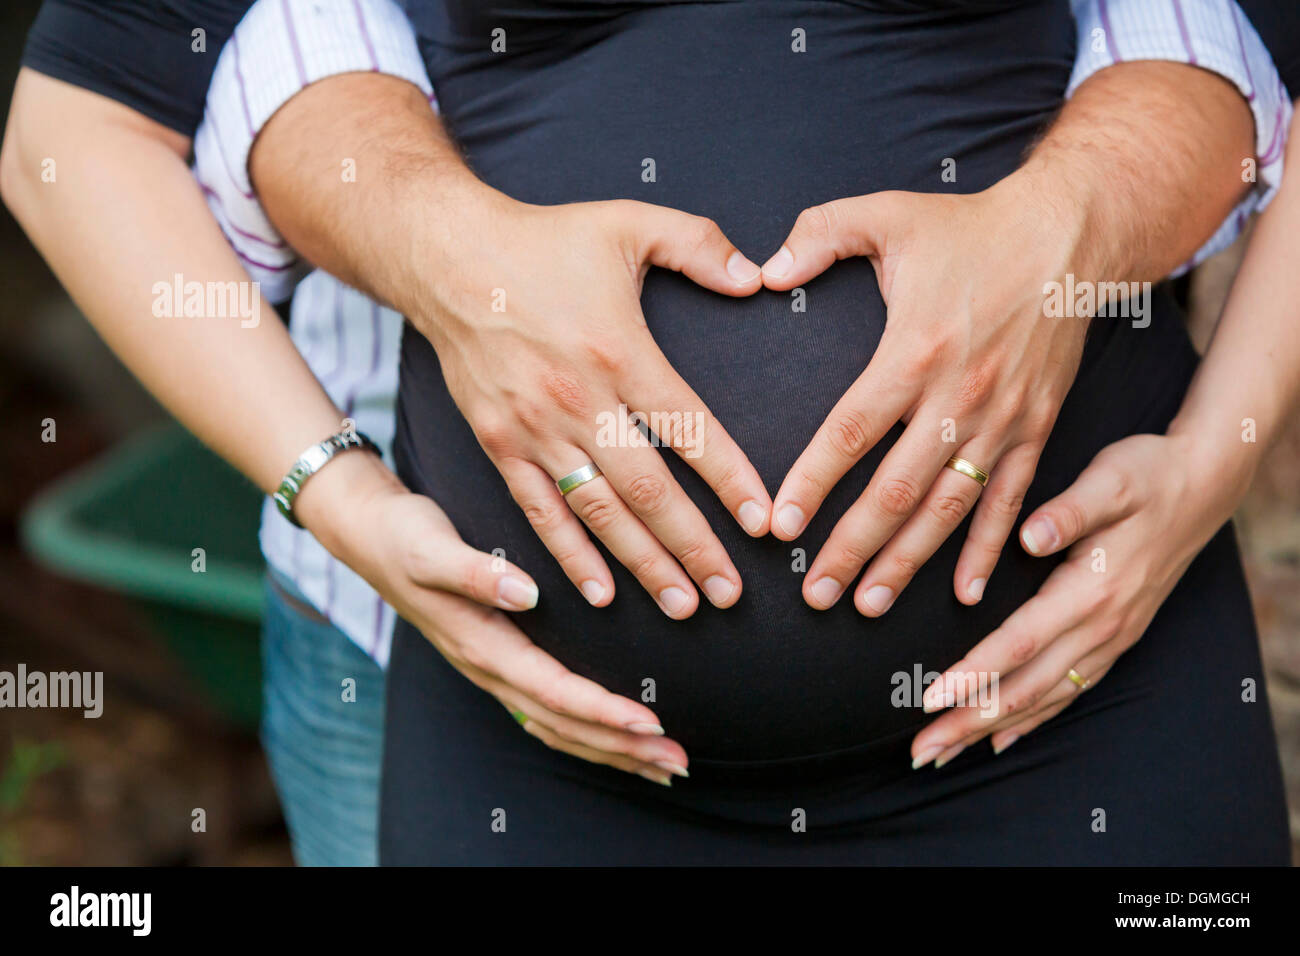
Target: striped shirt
(352, 344)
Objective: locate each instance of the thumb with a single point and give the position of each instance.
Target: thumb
(693, 246)
(1095, 500)
(840, 229)
(447, 563)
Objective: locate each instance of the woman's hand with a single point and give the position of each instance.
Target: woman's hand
(1133, 522)
(542, 340)
(406, 548)
(968, 360)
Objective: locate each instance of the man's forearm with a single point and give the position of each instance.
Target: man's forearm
(1145, 161)
(356, 170)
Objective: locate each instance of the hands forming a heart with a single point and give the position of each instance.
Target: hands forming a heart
(966, 360)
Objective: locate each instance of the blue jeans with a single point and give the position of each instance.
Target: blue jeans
(323, 735)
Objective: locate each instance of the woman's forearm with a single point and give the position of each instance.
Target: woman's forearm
(1249, 381)
(107, 198)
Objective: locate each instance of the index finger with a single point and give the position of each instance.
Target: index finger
(673, 411)
(863, 415)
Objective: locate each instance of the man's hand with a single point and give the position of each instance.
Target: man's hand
(535, 315)
(970, 359)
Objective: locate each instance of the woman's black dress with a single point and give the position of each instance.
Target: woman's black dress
(789, 714)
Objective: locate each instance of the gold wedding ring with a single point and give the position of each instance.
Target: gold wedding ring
(968, 469)
(576, 479)
(1078, 679)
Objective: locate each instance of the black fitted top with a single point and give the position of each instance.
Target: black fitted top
(746, 131)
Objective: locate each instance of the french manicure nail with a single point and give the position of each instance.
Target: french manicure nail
(517, 593)
(660, 778)
(719, 589)
(592, 590)
(741, 269)
(779, 264)
(751, 515)
(791, 519)
(879, 598)
(1041, 536)
(976, 588)
(1005, 744)
(646, 730)
(926, 755)
(674, 601)
(672, 768)
(826, 591)
(948, 754)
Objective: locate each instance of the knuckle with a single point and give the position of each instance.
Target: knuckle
(896, 497)
(599, 513)
(543, 516)
(474, 578)
(1021, 648)
(551, 697)
(1038, 421)
(472, 654)
(852, 554)
(849, 433)
(647, 494)
(496, 437)
(949, 509)
(565, 390)
(815, 222)
(976, 384)
(1072, 517)
(642, 566)
(1123, 489)
(605, 357)
(1006, 505)
(905, 565)
(693, 552)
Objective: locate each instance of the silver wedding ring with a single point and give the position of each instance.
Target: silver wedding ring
(576, 479)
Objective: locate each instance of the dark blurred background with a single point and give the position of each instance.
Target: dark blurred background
(96, 532)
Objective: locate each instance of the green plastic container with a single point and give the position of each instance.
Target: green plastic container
(130, 520)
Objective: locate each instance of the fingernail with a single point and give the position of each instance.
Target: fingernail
(976, 588)
(741, 269)
(517, 593)
(779, 264)
(948, 754)
(926, 756)
(879, 598)
(791, 519)
(719, 589)
(1040, 536)
(660, 778)
(672, 768)
(997, 749)
(592, 590)
(752, 515)
(826, 591)
(646, 730)
(674, 601)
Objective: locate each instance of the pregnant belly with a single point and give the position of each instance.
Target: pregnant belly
(739, 128)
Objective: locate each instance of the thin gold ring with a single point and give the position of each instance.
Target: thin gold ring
(576, 479)
(969, 469)
(1079, 680)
